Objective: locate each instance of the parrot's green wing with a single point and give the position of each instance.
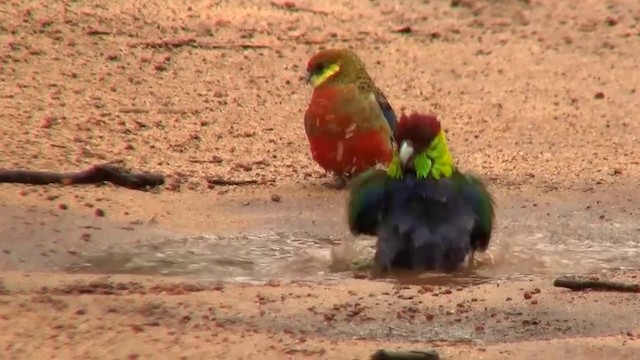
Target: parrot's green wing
(365, 201)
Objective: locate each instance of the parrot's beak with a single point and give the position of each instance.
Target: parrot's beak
(307, 77)
(405, 153)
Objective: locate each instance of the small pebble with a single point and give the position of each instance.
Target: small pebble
(47, 122)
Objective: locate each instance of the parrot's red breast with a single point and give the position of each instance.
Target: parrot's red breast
(347, 133)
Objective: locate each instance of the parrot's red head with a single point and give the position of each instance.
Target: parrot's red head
(334, 66)
(415, 133)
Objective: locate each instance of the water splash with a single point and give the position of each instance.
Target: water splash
(520, 249)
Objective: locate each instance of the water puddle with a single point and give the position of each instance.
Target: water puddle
(528, 248)
(520, 249)
(241, 258)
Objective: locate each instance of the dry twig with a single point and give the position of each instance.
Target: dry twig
(176, 42)
(206, 161)
(228, 182)
(603, 285)
(405, 355)
(133, 110)
(293, 7)
(94, 175)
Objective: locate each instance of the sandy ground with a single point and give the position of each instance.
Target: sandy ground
(539, 97)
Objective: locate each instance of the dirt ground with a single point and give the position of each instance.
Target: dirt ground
(538, 97)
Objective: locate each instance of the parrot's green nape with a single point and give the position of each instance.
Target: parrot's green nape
(438, 151)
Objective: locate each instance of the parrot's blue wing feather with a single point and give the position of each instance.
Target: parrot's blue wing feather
(387, 110)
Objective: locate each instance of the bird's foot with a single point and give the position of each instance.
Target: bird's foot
(339, 182)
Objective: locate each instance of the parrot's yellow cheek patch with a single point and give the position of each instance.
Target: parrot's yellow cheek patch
(322, 76)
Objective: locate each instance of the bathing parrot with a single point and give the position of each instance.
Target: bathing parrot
(349, 122)
(426, 214)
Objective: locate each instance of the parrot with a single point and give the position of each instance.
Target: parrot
(349, 122)
(426, 214)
